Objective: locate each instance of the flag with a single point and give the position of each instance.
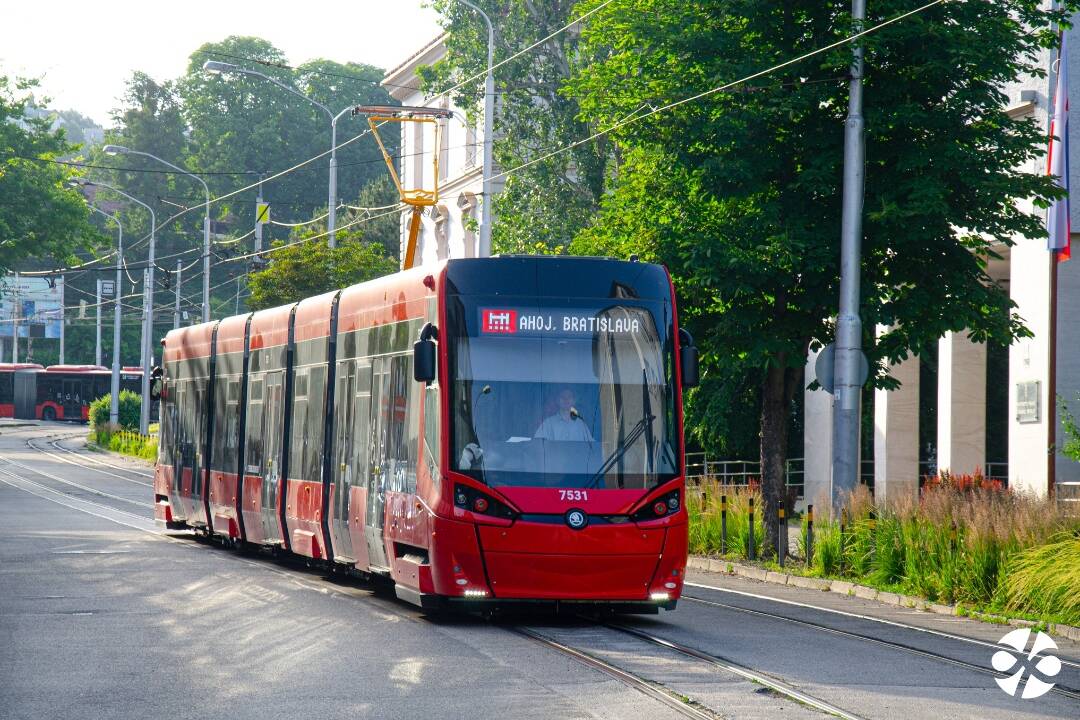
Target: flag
(1057, 221)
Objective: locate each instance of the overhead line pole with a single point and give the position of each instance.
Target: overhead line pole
(848, 391)
(489, 124)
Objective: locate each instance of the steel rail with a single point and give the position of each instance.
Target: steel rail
(774, 684)
(1064, 691)
(94, 461)
(860, 616)
(87, 488)
(628, 679)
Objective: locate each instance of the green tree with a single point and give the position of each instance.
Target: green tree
(739, 191)
(242, 123)
(542, 207)
(41, 219)
(311, 267)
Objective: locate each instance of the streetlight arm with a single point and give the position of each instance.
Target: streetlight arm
(286, 88)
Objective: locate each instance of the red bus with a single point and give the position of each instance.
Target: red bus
(61, 392)
(483, 431)
(7, 385)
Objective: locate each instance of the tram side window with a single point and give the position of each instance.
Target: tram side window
(404, 433)
(253, 444)
(299, 426)
(313, 440)
(361, 429)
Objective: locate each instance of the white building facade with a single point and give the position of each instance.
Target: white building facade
(450, 228)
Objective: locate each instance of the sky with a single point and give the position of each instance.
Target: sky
(83, 52)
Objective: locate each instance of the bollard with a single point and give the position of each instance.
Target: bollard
(809, 535)
(843, 528)
(750, 540)
(723, 524)
(871, 524)
(781, 535)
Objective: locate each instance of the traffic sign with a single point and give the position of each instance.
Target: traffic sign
(262, 213)
(108, 287)
(826, 363)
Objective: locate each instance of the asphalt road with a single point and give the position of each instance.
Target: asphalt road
(103, 615)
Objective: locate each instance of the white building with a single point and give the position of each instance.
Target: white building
(1040, 368)
(450, 228)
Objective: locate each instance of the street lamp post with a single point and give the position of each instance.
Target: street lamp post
(146, 343)
(114, 388)
(215, 66)
(489, 123)
(120, 150)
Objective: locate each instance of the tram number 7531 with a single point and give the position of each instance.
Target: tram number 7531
(574, 495)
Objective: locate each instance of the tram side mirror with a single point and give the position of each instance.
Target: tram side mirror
(156, 383)
(424, 357)
(688, 360)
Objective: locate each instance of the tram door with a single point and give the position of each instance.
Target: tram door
(272, 420)
(343, 470)
(379, 463)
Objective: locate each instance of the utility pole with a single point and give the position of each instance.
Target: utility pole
(97, 343)
(63, 319)
(114, 407)
(176, 308)
(848, 391)
(15, 323)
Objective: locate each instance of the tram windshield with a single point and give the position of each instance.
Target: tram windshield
(577, 395)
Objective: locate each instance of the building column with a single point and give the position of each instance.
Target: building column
(896, 435)
(817, 441)
(961, 407)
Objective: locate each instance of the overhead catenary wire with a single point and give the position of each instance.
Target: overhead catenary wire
(635, 117)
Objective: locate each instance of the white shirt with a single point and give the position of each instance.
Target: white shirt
(556, 427)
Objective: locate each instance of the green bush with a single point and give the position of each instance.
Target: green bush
(130, 409)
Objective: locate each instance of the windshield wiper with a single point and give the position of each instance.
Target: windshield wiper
(617, 453)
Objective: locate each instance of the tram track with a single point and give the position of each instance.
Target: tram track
(145, 504)
(775, 684)
(95, 460)
(855, 616)
(86, 466)
(1064, 691)
(629, 679)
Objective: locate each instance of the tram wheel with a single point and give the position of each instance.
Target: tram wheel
(48, 413)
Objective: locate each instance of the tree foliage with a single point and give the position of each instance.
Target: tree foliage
(310, 267)
(542, 207)
(739, 192)
(41, 219)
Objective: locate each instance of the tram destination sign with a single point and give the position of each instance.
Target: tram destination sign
(549, 322)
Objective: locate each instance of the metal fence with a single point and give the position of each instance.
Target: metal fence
(742, 472)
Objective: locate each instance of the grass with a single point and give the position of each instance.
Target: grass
(1045, 580)
(125, 442)
(964, 541)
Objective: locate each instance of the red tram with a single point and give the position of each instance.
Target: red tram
(527, 447)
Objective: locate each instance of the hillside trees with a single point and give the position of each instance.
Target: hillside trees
(41, 219)
(739, 191)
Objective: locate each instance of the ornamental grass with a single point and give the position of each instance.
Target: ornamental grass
(966, 539)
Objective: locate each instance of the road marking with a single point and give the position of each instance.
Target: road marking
(86, 467)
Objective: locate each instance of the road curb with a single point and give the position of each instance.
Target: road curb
(844, 587)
